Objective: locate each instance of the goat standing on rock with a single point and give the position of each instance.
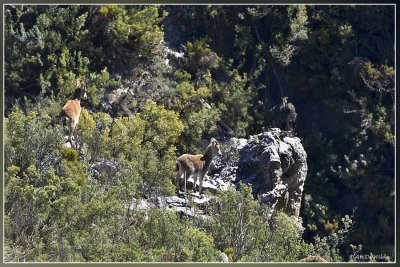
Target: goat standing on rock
(196, 165)
(72, 109)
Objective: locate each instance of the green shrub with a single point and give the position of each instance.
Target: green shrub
(69, 154)
(243, 229)
(31, 140)
(234, 100)
(166, 237)
(197, 123)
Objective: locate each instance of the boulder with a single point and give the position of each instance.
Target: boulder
(276, 165)
(273, 162)
(224, 257)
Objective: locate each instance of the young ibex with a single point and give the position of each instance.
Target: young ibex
(72, 109)
(196, 165)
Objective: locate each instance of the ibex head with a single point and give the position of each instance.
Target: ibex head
(216, 147)
(81, 89)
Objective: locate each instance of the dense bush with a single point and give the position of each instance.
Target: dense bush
(161, 80)
(245, 231)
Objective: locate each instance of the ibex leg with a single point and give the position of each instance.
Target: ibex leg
(178, 178)
(194, 182)
(201, 183)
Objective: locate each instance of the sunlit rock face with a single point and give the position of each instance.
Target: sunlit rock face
(277, 163)
(273, 162)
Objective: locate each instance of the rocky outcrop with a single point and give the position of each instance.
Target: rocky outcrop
(273, 162)
(276, 164)
(192, 206)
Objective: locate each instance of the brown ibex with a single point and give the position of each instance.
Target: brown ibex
(196, 165)
(72, 109)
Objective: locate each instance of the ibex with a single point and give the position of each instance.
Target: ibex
(72, 109)
(196, 165)
(284, 115)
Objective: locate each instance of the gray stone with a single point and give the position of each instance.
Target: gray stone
(273, 162)
(184, 211)
(277, 164)
(176, 201)
(224, 257)
(237, 143)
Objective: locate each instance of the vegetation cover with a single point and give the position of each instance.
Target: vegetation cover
(162, 80)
